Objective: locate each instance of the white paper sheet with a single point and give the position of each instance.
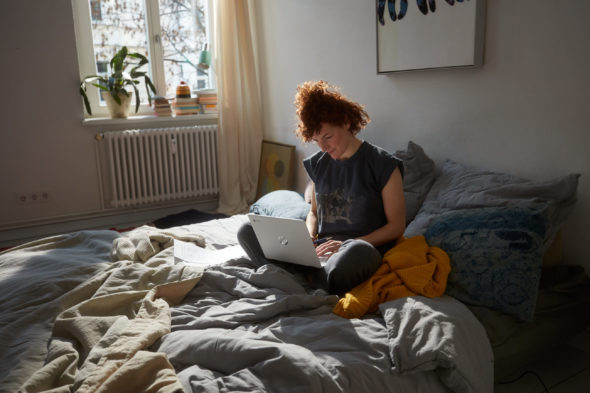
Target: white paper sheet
(195, 255)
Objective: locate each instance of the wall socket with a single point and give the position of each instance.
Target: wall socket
(26, 198)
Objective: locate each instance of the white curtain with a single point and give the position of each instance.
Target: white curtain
(240, 110)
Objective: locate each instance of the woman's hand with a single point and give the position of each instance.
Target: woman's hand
(328, 248)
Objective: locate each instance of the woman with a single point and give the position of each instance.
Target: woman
(357, 203)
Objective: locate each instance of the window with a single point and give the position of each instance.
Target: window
(171, 33)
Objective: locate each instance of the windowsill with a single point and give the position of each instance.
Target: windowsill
(107, 123)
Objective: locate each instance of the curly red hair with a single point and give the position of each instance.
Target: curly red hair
(318, 102)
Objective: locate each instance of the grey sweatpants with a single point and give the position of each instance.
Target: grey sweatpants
(353, 263)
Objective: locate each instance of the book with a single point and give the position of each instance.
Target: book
(208, 96)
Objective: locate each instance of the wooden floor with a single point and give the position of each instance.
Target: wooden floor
(566, 370)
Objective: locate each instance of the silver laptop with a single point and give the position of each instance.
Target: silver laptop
(286, 240)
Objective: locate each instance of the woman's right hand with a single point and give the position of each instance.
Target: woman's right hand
(328, 248)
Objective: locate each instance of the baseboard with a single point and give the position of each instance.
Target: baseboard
(120, 219)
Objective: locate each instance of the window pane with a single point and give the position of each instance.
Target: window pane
(183, 25)
(118, 23)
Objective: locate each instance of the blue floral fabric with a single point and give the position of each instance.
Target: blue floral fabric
(496, 256)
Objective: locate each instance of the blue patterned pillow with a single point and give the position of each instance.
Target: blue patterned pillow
(496, 256)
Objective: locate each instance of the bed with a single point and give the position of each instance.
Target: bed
(102, 311)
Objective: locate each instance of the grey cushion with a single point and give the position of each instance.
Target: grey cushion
(419, 175)
(459, 187)
(281, 203)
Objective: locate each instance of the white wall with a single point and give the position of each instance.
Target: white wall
(525, 111)
(43, 146)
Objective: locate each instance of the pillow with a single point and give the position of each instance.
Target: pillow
(419, 174)
(281, 203)
(496, 256)
(459, 187)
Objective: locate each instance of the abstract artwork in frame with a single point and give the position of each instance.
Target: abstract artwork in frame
(276, 167)
(427, 34)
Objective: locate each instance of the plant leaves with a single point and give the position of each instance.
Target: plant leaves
(148, 82)
(118, 78)
(135, 74)
(85, 97)
(117, 62)
(115, 95)
(136, 98)
(91, 78)
(103, 87)
(142, 59)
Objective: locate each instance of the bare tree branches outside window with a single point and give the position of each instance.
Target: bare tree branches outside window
(182, 35)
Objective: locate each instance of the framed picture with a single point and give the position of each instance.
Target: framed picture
(276, 167)
(427, 34)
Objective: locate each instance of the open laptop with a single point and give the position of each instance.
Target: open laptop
(286, 240)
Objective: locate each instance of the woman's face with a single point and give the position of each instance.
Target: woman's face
(337, 141)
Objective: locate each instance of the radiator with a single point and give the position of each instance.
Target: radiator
(150, 166)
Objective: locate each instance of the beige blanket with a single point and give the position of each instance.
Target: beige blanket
(99, 341)
(144, 242)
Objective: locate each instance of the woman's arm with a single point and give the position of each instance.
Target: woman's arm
(395, 212)
(312, 218)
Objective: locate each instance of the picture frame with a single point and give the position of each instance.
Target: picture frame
(276, 167)
(429, 34)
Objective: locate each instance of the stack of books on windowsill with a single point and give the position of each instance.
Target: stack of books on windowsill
(207, 100)
(161, 106)
(184, 104)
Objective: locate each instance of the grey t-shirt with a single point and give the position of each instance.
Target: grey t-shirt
(348, 192)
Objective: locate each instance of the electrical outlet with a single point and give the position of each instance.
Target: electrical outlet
(26, 198)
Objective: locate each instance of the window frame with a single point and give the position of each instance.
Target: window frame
(87, 62)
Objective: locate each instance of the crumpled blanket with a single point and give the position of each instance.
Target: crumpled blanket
(99, 342)
(144, 242)
(439, 334)
(410, 268)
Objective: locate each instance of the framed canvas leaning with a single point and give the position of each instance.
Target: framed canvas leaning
(276, 167)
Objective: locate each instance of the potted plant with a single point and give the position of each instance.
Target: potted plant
(113, 86)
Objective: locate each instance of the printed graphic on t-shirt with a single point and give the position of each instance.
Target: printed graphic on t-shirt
(336, 208)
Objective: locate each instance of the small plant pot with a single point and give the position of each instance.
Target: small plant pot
(117, 111)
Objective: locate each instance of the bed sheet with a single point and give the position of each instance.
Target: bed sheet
(35, 279)
(261, 330)
(238, 329)
(265, 329)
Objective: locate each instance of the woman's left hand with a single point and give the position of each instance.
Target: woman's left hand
(329, 247)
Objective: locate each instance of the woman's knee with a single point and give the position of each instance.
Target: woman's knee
(362, 250)
(355, 262)
(249, 242)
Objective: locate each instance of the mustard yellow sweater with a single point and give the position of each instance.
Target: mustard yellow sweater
(410, 268)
